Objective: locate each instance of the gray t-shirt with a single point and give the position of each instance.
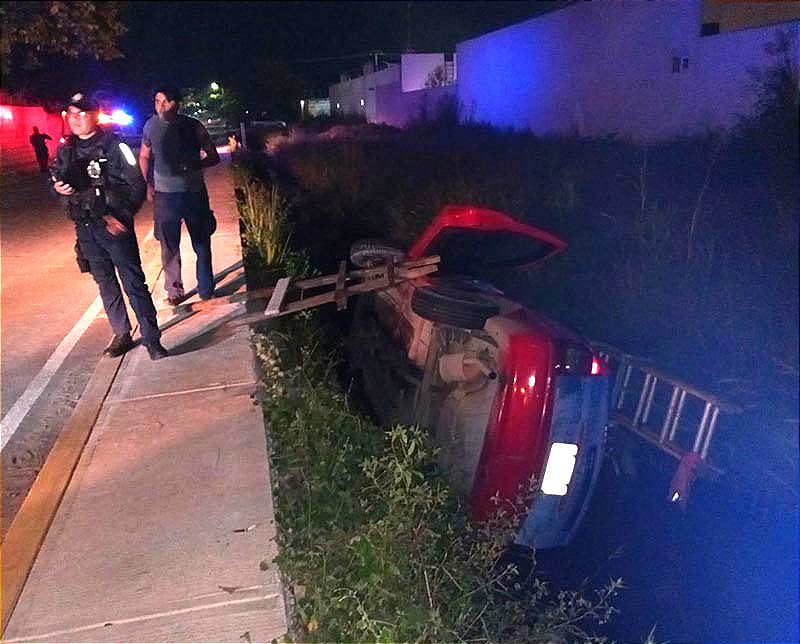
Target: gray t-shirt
(175, 150)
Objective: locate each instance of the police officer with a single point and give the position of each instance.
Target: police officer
(101, 187)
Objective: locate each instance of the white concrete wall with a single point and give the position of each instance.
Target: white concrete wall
(416, 68)
(346, 96)
(606, 68)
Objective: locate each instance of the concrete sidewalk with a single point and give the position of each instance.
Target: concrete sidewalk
(163, 529)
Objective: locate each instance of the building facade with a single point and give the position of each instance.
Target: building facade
(635, 69)
(419, 87)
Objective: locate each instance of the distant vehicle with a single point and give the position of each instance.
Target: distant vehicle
(511, 396)
(268, 124)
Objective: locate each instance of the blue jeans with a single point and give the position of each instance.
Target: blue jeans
(105, 253)
(192, 207)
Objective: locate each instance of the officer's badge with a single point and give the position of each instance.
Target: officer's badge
(94, 170)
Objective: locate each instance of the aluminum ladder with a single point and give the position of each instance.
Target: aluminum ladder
(668, 413)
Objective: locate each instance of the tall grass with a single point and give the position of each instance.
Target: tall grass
(264, 220)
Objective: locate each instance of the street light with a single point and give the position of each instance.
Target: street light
(302, 108)
(214, 87)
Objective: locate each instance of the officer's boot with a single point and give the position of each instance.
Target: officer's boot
(156, 350)
(119, 344)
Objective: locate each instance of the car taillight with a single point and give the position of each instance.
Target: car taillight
(574, 358)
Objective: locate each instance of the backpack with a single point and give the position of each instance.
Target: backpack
(182, 146)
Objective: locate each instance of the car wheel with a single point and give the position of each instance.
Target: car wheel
(453, 304)
(374, 252)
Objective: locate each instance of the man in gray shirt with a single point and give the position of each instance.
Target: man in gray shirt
(180, 147)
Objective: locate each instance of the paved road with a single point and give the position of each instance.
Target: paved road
(49, 344)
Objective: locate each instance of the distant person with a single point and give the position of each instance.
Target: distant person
(233, 143)
(175, 143)
(40, 148)
(101, 189)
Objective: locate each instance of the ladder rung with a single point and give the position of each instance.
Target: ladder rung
(624, 388)
(649, 404)
(673, 403)
(710, 433)
(701, 431)
(678, 412)
(642, 398)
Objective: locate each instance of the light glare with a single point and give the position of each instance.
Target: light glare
(121, 118)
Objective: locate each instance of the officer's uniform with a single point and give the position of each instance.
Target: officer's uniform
(119, 191)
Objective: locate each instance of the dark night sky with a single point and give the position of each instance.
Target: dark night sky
(193, 43)
(195, 40)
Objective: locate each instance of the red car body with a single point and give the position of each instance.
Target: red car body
(514, 399)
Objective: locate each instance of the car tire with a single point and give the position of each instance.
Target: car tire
(453, 304)
(374, 252)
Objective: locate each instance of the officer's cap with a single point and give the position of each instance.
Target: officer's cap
(84, 102)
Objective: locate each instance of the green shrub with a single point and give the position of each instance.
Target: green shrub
(264, 220)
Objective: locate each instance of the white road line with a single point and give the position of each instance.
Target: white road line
(11, 421)
(17, 413)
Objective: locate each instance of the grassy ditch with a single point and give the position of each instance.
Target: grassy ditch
(373, 542)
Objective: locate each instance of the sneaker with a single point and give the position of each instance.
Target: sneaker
(174, 300)
(210, 296)
(119, 344)
(156, 350)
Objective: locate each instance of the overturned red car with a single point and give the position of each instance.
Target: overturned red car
(516, 403)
